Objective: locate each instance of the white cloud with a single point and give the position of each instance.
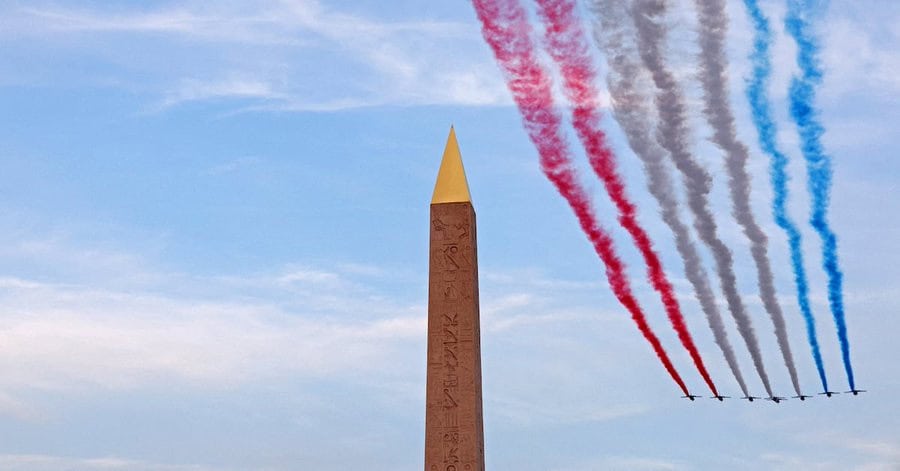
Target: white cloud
(536, 280)
(120, 325)
(362, 269)
(234, 165)
(299, 321)
(859, 57)
(785, 462)
(190, 90)
(20, 462)
(199, 23)
(17, 409)
(522, 412)
(281, 55)
(629, 463)
(308, 276)
(60, 253)
(515, 310)
(876, 448)
(58, 337)
(647, 464)
(88, 331)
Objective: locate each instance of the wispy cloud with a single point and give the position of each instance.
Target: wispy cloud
(275, 55)
(629, 463)
(227, 23)
(190, 90)
(642, 464)
(17, 409)
(12, 462)
(861, 57)
(61, 337)
(109, 321)
(307, 276)
(535, 279)
(554, 411)
(875, 448)
(234, 165)
(86, 333)
(297, 321)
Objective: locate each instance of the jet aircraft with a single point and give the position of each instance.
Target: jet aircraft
(720, 397)
(775, 399)
(751, 398)
(828, 393)
(802, 397)
(691, 396)
(855, 392)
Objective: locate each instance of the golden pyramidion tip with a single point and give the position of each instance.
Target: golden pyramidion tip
(451, 185)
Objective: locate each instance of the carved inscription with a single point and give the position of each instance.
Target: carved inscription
(451, 385)
(454, 439)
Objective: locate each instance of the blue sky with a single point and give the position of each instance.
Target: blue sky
(213, 247)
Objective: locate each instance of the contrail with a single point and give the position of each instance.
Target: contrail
(818, 164)
(767, 130)
(672, 135)
(506, 29)
(713, 24)
(567, 43)
(631, 109)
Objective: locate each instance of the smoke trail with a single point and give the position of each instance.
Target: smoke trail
(506, 29)
(672, 135)
(713, 24)
(631, 109)
(568, 46)
(766, 128)
(818, 164)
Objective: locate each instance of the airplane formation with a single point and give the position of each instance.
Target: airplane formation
(506, 28)
(776, 399)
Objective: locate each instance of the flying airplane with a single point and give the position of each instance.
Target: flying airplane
(751, 398)
(691, 396)
(802, 397)
(828, 393)
(720, 398)
(855, 392)
(775, 399)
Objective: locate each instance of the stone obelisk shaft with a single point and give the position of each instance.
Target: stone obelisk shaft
(454, 437)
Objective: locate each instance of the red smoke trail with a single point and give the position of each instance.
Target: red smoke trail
(506, 29)
(567, 44)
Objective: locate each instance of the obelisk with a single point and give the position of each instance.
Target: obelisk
(454, 436)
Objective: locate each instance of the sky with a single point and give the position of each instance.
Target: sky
(213, 248)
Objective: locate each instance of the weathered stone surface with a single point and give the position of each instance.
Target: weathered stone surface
(454, 437)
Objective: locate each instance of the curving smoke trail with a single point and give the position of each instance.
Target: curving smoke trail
(627, 81)
(766, 128)
(672, 135)
(568, 45)
(506, 29)
(818, 164)
(713, 24)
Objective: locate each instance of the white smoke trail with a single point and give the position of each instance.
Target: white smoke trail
(673, 135)
(713, 25)
(627, 81)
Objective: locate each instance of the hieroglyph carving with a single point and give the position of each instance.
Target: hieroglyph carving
(453, 425)
(452, 261)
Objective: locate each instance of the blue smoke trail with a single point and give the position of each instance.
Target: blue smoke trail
(818, 164)
(765, 126)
